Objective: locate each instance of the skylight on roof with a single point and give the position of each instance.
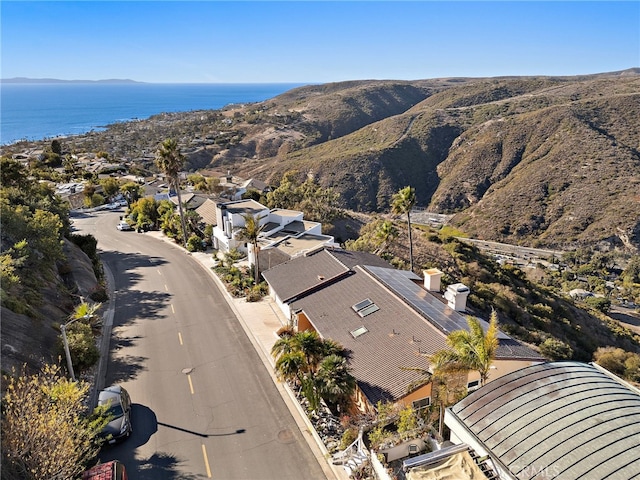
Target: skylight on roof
(360, 305)
(359, 331)
(365, 307)
(368, 310)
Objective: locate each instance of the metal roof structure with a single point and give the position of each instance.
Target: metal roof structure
(315, 270)
(562, 420)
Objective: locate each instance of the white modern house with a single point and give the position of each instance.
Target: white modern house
(230, 218)
(285, 234)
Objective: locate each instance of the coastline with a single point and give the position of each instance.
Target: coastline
(37, 112)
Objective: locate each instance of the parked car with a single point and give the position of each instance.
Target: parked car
(113, 470)
(118, 404)
(124, 226)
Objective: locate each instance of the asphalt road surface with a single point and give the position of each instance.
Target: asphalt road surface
(204, 405)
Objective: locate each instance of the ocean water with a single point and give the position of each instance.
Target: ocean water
(46, 110)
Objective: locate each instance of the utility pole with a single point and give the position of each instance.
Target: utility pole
(63, 328)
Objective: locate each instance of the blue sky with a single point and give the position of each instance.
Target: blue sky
(325, 41)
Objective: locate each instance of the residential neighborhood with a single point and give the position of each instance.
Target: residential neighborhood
(393, 329)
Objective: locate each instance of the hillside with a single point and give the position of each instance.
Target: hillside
(544, 161)
(549, 162)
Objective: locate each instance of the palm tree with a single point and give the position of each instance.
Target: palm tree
(250, 232)
(170, 160)
(472, 349)
(319, 367)
(385, 234)
(402, 203)
(335, 382)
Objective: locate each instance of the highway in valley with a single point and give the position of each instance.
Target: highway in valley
(204, 404)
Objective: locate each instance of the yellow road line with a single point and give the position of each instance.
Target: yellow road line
(190, 384)
(206, 461)
(180, 338)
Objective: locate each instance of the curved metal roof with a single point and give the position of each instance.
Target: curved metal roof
(563, 420)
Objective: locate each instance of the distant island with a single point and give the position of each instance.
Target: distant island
(56, 80)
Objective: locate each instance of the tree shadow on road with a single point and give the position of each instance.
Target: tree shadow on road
(160, 465)
(132, 306)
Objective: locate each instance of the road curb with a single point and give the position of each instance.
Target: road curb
(105, 340)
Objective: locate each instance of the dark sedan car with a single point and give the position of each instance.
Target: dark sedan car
(118, 404)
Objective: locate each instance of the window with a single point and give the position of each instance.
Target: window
(365, 307)
(422, 403)
(471, 386)
(359, 331)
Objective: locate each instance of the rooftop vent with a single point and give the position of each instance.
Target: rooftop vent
(456, 295)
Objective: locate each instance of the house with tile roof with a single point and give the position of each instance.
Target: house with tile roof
(562, 420)
(386, 318)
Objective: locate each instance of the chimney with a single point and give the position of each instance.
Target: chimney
(432, 279)
(456, 295)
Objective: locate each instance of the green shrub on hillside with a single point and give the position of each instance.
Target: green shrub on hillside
(555, 349)
(82, 346)
(619, 362)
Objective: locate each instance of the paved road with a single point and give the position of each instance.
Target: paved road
(514, 250)
(204, 404)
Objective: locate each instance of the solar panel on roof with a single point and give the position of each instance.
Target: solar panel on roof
(444, 318)
(365, 307)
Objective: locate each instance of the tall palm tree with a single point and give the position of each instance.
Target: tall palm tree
(402, 203)
(250, 232)
(472, 349)
(170, 160)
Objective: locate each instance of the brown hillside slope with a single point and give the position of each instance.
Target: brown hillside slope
(563, 175)
(550, 161)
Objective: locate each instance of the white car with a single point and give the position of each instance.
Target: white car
(124, 226)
